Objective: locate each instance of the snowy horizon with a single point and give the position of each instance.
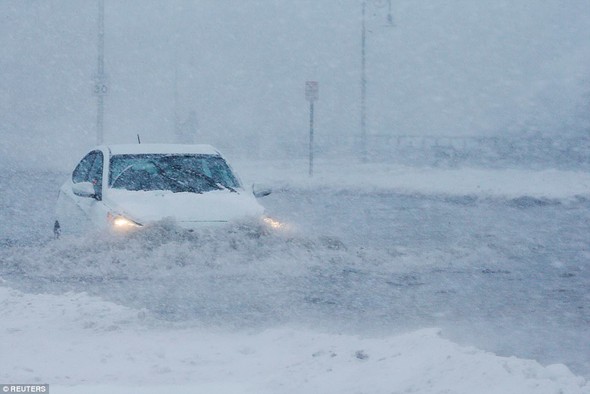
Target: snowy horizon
(234, 73)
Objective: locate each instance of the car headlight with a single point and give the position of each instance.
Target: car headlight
(273, 223)
(121, 223)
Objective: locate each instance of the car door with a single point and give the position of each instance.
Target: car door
(94, 208)
(73, 211)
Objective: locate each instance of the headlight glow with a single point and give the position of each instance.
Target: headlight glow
(273, 223)
(122, 223)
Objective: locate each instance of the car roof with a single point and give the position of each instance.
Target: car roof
(122, 149)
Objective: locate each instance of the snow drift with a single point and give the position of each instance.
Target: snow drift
(82, 344)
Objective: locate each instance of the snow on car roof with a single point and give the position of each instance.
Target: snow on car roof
(122, 149)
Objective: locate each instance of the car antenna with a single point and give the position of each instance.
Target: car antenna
(138, 139)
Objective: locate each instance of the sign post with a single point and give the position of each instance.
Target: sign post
(100, 87)
(311, 95)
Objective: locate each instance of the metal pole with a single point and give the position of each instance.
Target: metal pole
(389, 15)
(100, 83)
(311, 138)
(363, 147)
(177, 131)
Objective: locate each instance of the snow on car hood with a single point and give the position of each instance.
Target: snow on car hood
(185, 208)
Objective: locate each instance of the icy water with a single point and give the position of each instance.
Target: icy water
(506, 275)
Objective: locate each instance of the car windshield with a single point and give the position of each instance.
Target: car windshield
(176, 173)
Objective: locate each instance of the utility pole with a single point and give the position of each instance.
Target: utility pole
(363, 136)
(363, 147)
(311, 138)
(389, 15)
(177, 126)
(100, 87)
(311, 95)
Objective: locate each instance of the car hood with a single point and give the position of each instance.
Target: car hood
(185, 208)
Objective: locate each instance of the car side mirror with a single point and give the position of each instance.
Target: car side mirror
(84, 189)
(261, 191)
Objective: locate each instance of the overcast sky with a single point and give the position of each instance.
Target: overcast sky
(457, 67)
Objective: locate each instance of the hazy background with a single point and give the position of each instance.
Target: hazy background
(448, 68)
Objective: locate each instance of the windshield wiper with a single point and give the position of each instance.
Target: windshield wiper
(210, 181)
(178, 182)
(121, 173)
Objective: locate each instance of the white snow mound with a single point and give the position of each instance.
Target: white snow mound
(482, 182)
(81, 344)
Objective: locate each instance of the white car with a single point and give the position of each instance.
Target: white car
(121, 187)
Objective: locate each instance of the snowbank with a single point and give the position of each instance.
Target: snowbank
(508, 183)
(81, 344)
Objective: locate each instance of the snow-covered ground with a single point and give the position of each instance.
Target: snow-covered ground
(428, 281)
(81, 344)
(502, 182)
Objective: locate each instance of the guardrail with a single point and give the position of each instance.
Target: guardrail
(454, 150)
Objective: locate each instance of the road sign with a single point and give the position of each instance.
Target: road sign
(311, 90)
(100, 86)
(100, 89)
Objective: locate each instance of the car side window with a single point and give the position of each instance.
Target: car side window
(95, 174)
(80, 173)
